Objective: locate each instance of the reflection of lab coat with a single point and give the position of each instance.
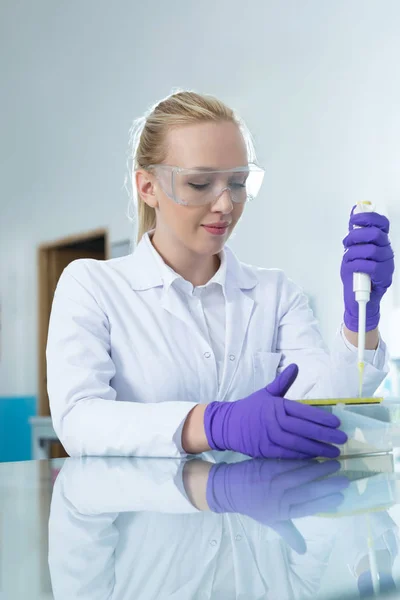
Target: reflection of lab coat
(117, 334)
(123, 529)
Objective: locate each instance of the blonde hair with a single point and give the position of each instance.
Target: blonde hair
(148, 134)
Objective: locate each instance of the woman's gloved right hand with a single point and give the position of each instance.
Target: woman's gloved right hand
(267, 425)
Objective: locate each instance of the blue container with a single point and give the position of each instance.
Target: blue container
(15, 430)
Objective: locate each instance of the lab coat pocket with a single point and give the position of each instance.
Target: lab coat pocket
(265, 365)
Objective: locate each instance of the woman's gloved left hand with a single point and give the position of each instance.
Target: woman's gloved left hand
(367, 250)
(273, 492)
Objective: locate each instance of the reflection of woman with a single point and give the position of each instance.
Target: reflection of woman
(139, 345)
(126, 528)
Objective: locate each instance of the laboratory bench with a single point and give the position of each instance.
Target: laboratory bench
(217, 526)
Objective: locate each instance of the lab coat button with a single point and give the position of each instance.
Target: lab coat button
(232, 357)
(207, 354)
(213, 542)
(238, 538)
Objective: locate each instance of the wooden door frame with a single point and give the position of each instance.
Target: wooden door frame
(44, 302)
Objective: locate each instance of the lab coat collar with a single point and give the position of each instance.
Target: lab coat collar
(147, 269)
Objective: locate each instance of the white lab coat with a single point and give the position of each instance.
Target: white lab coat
(123, 528)
(126, 362)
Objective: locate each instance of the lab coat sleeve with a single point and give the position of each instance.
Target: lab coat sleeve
(87, 416)
(378, 358)
(322, 374)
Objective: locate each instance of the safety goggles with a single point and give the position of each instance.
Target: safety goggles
(198, 187)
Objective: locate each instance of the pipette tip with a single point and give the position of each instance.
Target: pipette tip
(361, 366)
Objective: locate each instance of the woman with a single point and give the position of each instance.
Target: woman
(176, 348)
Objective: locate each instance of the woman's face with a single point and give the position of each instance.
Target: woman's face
(211, 146)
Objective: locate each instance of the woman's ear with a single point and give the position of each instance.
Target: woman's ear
(145, 185)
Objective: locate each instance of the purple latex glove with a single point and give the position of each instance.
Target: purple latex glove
(273, 492)
(266, 425)
(367, 250)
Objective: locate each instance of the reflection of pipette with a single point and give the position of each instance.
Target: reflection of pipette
(362, 289)
(372, 559)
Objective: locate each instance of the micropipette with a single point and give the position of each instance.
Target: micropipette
(362, 289)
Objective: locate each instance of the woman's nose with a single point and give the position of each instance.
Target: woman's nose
(223, 203)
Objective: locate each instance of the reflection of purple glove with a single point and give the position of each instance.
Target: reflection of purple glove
(367, 250)
(267, 425)
(273, 492)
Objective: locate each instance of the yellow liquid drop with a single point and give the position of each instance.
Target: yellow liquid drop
(361, 378)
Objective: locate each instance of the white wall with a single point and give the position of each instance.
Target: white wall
(318, 83)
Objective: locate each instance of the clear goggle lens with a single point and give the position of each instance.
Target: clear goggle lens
(196, 187)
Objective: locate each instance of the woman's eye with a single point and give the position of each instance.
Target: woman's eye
(238, 184)
(198, 186)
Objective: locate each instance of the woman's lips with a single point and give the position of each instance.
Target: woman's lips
(216, 229)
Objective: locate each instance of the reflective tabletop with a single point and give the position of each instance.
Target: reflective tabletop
(217, 526)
